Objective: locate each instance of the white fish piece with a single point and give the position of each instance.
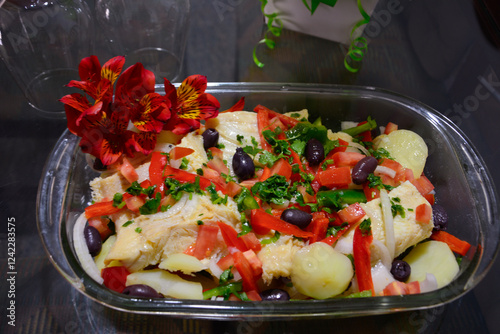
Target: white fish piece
(407, 231)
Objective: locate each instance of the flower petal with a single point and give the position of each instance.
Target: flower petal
(144, 142)
(206, 106)
(191, 88)
(90, 69)
(133, 84)
(112, 69)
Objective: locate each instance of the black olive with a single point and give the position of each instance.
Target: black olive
(93, 240)
(297, 217)
(315, 152)
(401, 270)
(98, 165)
(362, 169)
(275, 295)
(141, 290)
(243, 165)
(440, 217)
(210, 138)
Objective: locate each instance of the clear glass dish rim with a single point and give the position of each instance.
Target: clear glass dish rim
(51, 231)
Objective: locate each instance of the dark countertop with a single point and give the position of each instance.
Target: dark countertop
(433, 51)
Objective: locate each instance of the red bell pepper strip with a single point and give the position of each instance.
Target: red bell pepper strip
(230, 237)
(296, 160)
(105, 208)
(283, 168)
(263, 124)
(286, 120)
(333, 238)
(245, 269)
(458, 246)
(238, 106)
(390, 127)
(318, 227)
(361, 252)
(157, 169)
(262, 222)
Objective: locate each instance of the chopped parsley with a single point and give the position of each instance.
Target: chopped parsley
(199, 222)
(245, 225)
(226, 276)
(366, 227)
(273, 190)
(240, 138)
(151, 206)
(135, 189)
(380, 153)
(184, 164)
(138, 229)
(376, 182)
(118, 201)
(127, 223)
(272, 239)
(214, 195)
(397, 208)
(332, 231)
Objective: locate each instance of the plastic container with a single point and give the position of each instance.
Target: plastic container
(463, 186)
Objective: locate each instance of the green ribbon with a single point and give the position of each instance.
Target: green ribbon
(276, 31)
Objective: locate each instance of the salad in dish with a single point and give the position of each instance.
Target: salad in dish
(197, 203)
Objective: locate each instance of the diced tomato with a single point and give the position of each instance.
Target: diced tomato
(133, 203)
(283, 168)
(218, 165)
(335, 177)
(408, 175)
(183, 176)
(179, 152)
(101, 225)
(430, 198)
(286, 120)
(145, 184)
(253, 295)
(266, 173)
(318, 227)
(308, 198)
(350, 159)
(233, 188)
(156, 170)
(210, 173)
(370, 193)
(98, 209)
(341, 148)
(262, 223)
(238, 106)
(216, 152)
(423, 213)
(226, 262)
(388, 180)
(423, 185)
(249, 183)
(392, 164)
(413, 287)
(333, 238)
(361, 253)
(128, 171)
(458, 246)
(395, 288)
(251, 241)
(115, 278)
(254, 261)
(352, 214)
(390, 127)
(230, 237)
(206, 240)
(245, 269)
(296, 160)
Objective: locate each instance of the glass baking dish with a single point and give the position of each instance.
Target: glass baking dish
(463, 186)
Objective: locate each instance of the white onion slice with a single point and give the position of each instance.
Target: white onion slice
(343, 246)
(175, 163)
(386, 258)
(385, 170)
(388, 222)
(429, 283)
(214, 268)
(381, 277)
(354, 147)
(82, 251)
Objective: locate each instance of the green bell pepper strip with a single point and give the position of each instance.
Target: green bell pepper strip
(223, 290)
(368, 126)
(337, 198)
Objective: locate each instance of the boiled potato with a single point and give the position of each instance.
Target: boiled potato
(320, 272)
(182, 262)
(407, 148)
(432, 257)
(167, 284)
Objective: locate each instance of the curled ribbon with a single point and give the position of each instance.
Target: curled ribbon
(276, 31)
(359, 45)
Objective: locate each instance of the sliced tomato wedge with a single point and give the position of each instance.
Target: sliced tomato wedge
(390, 127)
(206, 241)
(283, 168)
(254, 295)
(101, 225)
(262, 223)
(423, 185)
(115, 278)
(226, 262)
(274, 123)
(349, 159)
(251, 241)
(218, 165)
(335, 177)
(128, 171)
(179, 152)
(352, 214)
(254, 261)
(134, 203)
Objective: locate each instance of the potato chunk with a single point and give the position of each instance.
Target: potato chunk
(320, 272)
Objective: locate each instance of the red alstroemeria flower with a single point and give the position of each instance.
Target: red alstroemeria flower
(190, 104)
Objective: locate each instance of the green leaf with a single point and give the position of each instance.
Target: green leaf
(273, 190)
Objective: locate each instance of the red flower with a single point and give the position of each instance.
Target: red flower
(130, 122)
(190, 104)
